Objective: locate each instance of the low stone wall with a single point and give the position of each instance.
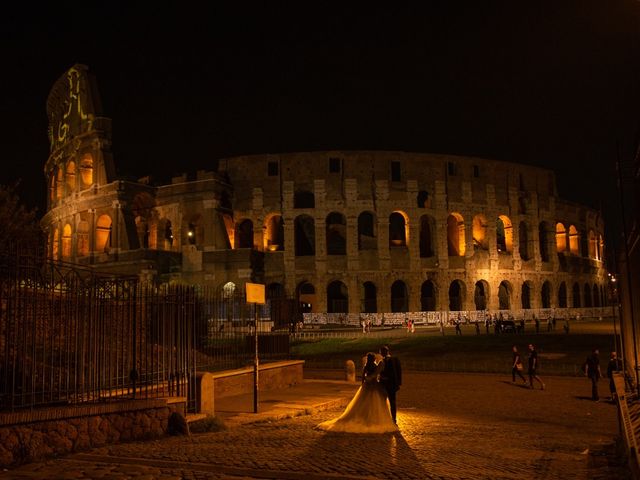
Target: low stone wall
(34, 435)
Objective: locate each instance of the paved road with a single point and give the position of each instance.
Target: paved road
(453, 426)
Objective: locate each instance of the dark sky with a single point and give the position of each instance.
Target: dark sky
(548, 83)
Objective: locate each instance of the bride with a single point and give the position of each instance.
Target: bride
(368, 411)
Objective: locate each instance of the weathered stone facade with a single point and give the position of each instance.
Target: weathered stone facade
(341, 230)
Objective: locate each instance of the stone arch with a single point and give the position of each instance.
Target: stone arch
(426, 236)
(82, 236)
(587, 295)
(596, 296)
(71, 176)
(481, 295)
(244, 234)
(523, 241)
(369, 297)
(562, 295)
(561, 238)
(367, 238)
(545, 295)
(504, 234)
(600, 247)
(336, 234)
(306, 293)
(399, 297)
(103, 233)
(55, 244)
(593, 245)
(273, 233)
(304, 199)
(86, 170)
(143, 210)
(59, 183)
(455, 235)
(166, 229)
(398, 226)
(526, 294)
(337, 297)
(423, 199)
(504, 295)
(456, 295)
(66, 241)
(479, 232)
(576, 296)
(428, 296)
(574, 240)
(304, 236)
(543, 241)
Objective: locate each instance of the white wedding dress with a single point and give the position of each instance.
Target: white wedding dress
(367, 412)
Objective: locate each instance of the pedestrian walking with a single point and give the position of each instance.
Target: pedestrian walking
(516, 366)
(614, 365)
(487, 323)
(592, 370)
(533, 367)
(458, 329)
(477, 328)
(565, 326)
(549, 324)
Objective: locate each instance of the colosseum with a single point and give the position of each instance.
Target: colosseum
(341, 231)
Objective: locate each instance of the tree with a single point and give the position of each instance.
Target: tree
(18, 224)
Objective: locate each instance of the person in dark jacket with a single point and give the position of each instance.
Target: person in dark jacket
(533, 367)
(592, 370)
(614, 365)
(516, 366)
(391, 378)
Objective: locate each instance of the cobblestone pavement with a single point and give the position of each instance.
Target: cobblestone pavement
(453, 426)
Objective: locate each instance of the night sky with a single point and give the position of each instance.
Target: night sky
(554, 84)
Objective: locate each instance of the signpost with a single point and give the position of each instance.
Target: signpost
(255, 295)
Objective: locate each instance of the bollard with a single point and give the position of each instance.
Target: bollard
(350, 371)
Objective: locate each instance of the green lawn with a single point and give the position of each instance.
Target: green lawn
(560, 354)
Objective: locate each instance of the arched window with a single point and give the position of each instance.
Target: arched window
(304, 199)
(600, 247)
(562, 295)
(574, 240)
(593, 245)
(576, 296)
(428, 296)
(142, 229)
(83, 238)
(304, 236)
(397, 230)
(71, 176)
(456, 296)
(561, 238)
(543, 241)
(587, 295)
(455, 235)
(480, 233)
(103, 233)
(481, 294)
(336, 234)
(504, 234)
(523, 237)
(55, 245)
(244, 234)
(369, 298)
(367, 231)
(86, 170)
(337, 297)
(545, 295)
(596, 296)
(426, 236)
(423, 199)
(66, 241)
(52, 186)
(306, 297)
(525, 295)
(274, 233)
(168, 235)
(504, 295)
(399, 297)
(59, 183)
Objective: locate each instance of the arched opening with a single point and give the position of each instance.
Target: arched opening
(480, 240)
(52, 186)
(71, 176)
(600, 247)
(304, 236)
(596, 296)
(593, 245)
(428, 296)
(244, 234)
(336, 234)
(504, 234)
(369, 298)
(456, 296)
(397, 230)
(66, 241)
(562, 295)
(587, 295)
(423, 199)
(574, 240)
(274, 233)
(426, 236)
(167, 235)
(307, 297)
(504, 295)
(337, 297)
(481, 294)
(399, 297)
(55, 245)
(59, 183)
(455, 235)
(543, 241)
(304, 199)
(86, 170)
(561, 238)
(103, 233)
(192, 232)
(523, 240)
(576, 296)
(545, 295)
(525, 295)
(83, 238)
(142, 229)
(367, 231)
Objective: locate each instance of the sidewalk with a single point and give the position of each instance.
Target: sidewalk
(308, 397)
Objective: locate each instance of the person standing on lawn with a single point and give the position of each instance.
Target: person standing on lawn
(592, 370)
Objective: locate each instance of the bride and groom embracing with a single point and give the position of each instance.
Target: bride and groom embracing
(373, 407)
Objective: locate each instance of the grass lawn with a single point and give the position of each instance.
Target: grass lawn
(560, 354)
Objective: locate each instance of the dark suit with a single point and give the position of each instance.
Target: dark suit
(391, 379)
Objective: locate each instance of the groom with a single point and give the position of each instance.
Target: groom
(391, 378)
